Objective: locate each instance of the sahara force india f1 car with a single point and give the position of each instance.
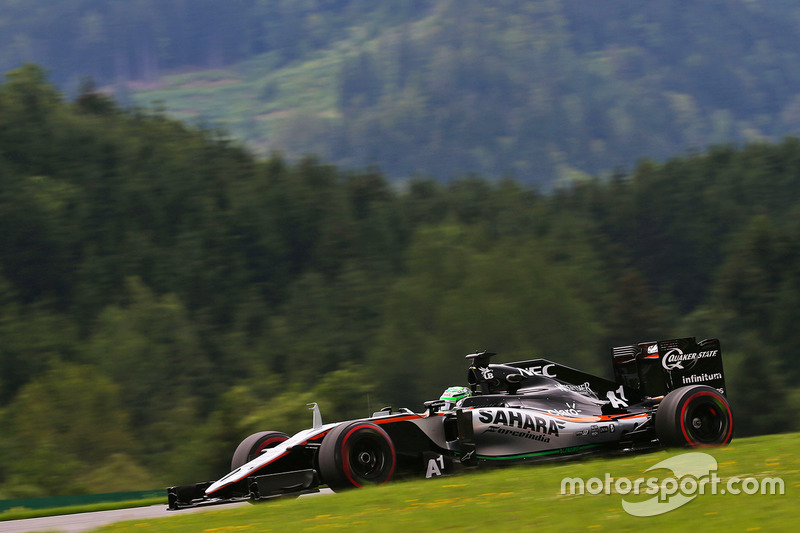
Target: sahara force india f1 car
(665, 393)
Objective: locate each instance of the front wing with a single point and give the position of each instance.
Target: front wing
(263, 487)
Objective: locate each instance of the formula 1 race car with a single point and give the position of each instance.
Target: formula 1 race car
(665, 393)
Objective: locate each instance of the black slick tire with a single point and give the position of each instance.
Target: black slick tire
(252, 446)
(356, 454)
(696, 416)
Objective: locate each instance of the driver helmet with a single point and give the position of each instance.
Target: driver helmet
(453, 395)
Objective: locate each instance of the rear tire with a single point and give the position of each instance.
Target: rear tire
(696, 415)
(355, 454)
(254, 445)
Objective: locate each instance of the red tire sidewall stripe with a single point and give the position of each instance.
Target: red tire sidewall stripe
(345, 455)
(268, 443)
(716, 397)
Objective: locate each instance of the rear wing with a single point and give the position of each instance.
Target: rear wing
(658, 367)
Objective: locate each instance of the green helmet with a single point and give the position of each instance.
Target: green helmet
(454, 394)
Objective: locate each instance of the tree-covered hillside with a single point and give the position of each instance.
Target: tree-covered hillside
(136, 40)
(537, 90)
(163, 293)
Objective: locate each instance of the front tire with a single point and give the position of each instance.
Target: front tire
(254, 445)
(355, 454)
(696, 416)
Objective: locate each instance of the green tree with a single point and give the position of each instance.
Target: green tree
(754, 375)
(457, 299)
(634, 314)
(62, 427)
(150, 348)
(31, 337)
(749, 280)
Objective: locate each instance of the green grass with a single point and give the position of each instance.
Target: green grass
(257, 101)
(23, 513)
(524, 498)
(251, 100)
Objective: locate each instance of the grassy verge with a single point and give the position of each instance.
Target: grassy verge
(526, 498)
(22, 513)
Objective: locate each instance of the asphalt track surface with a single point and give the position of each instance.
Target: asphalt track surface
(79, 523)
(76, 523)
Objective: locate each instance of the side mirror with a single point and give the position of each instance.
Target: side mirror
(433, 406)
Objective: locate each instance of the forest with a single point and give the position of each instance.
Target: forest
(166, 293)
(540, 91)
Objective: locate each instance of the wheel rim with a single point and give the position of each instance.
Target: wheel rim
(367, 458)
(705, 421)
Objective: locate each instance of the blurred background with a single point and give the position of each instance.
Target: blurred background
(215, 212)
